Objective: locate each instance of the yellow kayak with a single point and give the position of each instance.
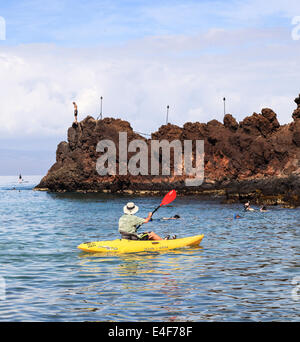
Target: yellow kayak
(133, 246)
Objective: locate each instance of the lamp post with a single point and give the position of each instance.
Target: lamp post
(167, 114)
(100, 115)
(224, 100)
(101, 98)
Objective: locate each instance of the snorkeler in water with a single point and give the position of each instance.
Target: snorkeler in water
(175, 217)
(247, 207)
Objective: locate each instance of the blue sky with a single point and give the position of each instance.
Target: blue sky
(140, 56)
(82, 23)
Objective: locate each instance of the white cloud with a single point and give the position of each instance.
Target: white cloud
(252, 10)
(252, 68)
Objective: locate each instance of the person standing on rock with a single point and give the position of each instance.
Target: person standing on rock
(75, 113)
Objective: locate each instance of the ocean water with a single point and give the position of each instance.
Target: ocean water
(244, 270)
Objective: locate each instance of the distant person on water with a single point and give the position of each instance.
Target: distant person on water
(175, 217)
(247, 207)
(129, 223)
(235, 217)
(263, 209)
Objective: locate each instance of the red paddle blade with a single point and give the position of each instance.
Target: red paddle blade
(170, 196)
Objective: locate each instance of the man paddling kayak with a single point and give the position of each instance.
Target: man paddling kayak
(129, 223)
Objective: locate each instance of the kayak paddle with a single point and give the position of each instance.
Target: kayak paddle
(169, 197)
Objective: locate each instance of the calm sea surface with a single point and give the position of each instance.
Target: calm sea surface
(245, 270)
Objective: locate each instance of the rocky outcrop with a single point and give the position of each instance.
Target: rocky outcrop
(255, 159)
(230, 122)
(296, 114)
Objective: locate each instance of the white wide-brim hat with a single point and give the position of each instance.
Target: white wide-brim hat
(130, 208)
